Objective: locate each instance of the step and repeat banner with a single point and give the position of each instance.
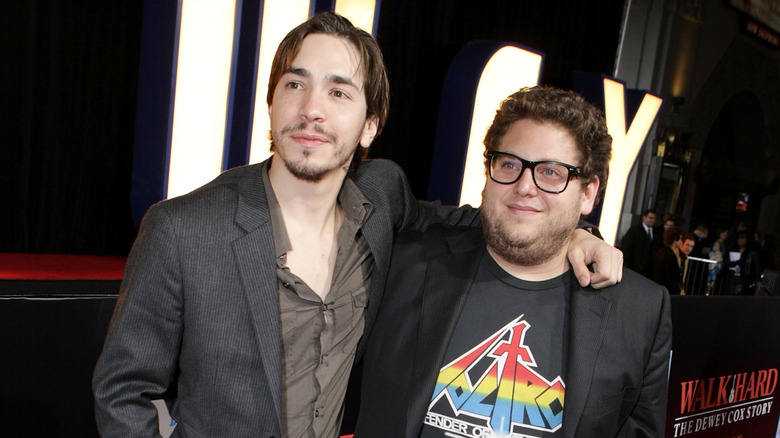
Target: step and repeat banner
(723, 380)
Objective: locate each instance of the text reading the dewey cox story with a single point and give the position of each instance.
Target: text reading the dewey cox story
(723, 400)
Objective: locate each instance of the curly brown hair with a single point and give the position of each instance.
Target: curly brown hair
(582, 120)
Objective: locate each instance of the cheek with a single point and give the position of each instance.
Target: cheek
(491, 194)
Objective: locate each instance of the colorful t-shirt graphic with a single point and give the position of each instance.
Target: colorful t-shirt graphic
(506, 382)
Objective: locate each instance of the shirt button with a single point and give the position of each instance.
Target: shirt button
(324, 307)
(316, 413)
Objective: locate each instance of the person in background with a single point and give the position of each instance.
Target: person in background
(667, 264)
(703, 245)
(719, 253)
(244, 301)
(693, 279)
(669, 221)
(688, 244)
(639, 243)
(487, 332)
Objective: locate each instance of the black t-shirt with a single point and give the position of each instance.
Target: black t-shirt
(503, 371)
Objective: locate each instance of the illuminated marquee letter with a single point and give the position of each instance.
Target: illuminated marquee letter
(201, 96)
(195, 111)
(481, 75)
(627, 138)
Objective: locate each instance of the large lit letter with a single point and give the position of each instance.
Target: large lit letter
(202, 85)
(626, 140)
(200, 103)
(362, 13)
(279, 17)
(480, 77)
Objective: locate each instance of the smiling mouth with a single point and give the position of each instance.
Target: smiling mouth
(308, 140)
(309, 135)
(521, 209)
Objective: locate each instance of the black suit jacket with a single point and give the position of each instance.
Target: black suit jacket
(638, 248)
(197, 319)
(666, 270)
(618, 344)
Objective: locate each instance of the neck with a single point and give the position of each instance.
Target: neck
(550, 268)
(308, 202)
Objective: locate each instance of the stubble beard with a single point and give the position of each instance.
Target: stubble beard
(302, 167)
(531, 247)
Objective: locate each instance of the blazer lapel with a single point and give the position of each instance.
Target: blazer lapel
(446, 287)
(588, 321)
(255, 260)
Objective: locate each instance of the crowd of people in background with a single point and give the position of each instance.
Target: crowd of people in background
(730, 261)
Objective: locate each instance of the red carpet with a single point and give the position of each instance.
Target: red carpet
(15, 266)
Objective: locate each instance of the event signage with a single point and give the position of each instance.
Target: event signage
(725, 400)
(724, 369)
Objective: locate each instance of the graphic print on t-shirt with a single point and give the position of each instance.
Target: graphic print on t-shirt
(493, 390)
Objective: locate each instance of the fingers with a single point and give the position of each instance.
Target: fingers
(606, 260)
(581, 271)
(608, 269)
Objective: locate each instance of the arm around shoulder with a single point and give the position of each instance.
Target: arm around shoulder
(385, 184)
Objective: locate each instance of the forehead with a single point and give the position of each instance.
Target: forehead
(325, 56)
(535, 141)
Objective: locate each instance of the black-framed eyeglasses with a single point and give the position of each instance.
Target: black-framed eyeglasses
(549, 176)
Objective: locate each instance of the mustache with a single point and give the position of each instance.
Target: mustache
(305, 126)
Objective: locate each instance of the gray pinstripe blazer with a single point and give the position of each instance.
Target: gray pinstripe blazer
(197, 319)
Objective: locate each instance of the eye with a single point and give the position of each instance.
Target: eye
(293, 85)
(551, 170)
(339, 94)
(507, 163)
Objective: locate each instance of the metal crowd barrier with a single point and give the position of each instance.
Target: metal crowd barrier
(697, 276)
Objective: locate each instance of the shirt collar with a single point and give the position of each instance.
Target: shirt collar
(355, 205)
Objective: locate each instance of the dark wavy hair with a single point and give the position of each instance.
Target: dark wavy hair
(582, 120)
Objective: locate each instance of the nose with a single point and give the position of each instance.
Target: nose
(311, 108)
(525, 184)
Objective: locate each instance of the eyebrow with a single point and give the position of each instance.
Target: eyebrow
(336, 79)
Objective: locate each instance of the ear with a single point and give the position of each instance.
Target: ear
(589, 196)
(369, 131)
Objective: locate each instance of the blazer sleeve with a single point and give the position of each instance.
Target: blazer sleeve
(139, 357)
(648, 418)
(385, 184)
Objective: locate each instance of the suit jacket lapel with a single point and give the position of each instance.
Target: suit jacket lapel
(254, 257)
(588, 321)
(446, 287)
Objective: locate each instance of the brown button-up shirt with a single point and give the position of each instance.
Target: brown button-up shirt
(320, 336)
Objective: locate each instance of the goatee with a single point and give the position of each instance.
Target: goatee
(517, 244)
(302, 168)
